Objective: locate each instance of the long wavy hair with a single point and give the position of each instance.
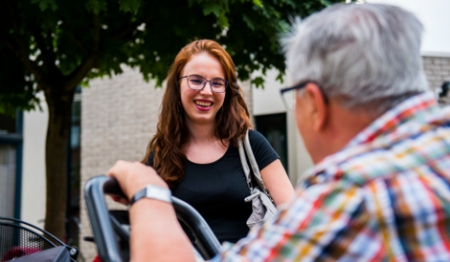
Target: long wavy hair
(232, 120)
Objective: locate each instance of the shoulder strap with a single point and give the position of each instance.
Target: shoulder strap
(253, 163)
(245, 165)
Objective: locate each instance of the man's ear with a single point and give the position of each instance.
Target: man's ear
(318, 106)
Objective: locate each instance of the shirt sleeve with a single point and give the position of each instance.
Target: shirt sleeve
(310, 228)
(263, 151)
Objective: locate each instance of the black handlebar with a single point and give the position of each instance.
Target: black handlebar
(112, 187)
(105, 239)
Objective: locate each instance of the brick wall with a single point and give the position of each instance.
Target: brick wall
(437, 70)
(119, 117)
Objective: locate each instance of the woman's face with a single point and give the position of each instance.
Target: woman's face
(201, 106)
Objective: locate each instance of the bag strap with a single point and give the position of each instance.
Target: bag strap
(245, 147)
(253, 163)
(244, 164)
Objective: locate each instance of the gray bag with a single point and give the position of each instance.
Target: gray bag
(262, 203)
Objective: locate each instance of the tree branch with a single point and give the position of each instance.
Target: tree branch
(74, 39)
(31, 66)
(73, 79)
(122, 34)
(96, 33)
(19, 49)
(48, 56)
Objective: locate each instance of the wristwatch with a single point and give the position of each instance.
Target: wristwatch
(153, 192)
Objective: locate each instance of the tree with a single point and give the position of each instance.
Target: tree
(53, 46)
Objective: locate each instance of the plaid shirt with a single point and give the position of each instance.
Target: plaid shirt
(384, 197)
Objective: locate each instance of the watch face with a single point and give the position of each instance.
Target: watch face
(153, 192)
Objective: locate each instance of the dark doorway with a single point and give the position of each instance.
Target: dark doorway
(273, 127)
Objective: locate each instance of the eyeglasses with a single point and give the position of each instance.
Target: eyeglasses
(197, 82)
(288, 96)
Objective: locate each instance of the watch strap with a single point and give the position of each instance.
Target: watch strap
(153, 192)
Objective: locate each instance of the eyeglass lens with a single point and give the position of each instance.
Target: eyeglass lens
(197, 82)
(289, 98)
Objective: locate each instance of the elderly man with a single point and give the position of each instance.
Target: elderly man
(380, 187)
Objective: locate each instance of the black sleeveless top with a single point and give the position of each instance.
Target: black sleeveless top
(217, 190)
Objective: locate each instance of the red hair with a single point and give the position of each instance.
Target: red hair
(172, 132)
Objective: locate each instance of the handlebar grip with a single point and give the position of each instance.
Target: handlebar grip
(112, 187)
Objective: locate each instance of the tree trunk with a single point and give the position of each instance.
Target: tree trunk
(59, 108)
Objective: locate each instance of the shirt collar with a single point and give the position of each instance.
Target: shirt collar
(416, 107)
(383, 130)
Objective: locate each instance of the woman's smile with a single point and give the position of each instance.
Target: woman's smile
(203, 104)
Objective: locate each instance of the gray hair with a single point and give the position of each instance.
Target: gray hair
(360, 53)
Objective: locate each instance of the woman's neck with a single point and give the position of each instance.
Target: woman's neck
(203, 146)
(199, 133)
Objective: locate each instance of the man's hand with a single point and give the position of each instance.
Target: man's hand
(151, 240)
(132, 177)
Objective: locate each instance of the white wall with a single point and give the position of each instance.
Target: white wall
(435, 17)
(33, 166)
(268, 100)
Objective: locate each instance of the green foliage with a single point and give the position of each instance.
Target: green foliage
(59, 37)
(44, 4)
(258, 81)
(16, 88)
(130, 5)
(96, 6)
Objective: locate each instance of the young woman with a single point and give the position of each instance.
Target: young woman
(203, 115)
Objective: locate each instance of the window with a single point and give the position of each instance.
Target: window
(10, 165)
(7, 178)
(73, 172)
(7, 124)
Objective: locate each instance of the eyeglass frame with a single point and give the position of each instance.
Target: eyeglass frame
(204, 83)
(300, 86)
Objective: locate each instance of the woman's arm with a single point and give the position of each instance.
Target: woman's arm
(277, 182)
